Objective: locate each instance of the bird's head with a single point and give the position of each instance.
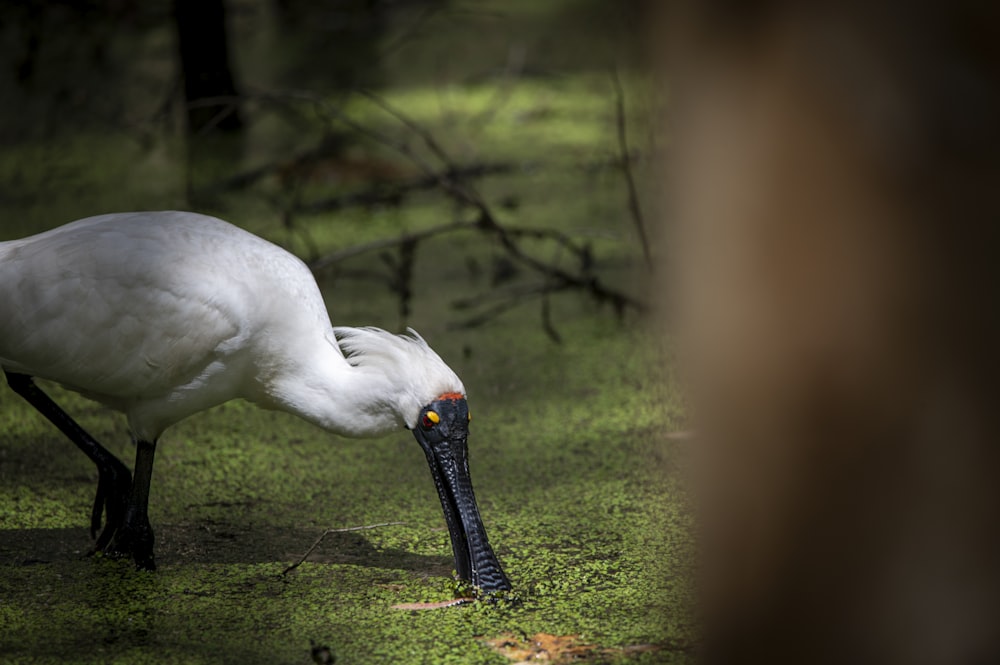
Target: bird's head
(430, 399)
(412, 374)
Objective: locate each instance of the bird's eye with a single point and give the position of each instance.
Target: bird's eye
(430, 419)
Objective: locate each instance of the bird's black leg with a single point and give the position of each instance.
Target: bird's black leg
(114, 479)
(135, 537)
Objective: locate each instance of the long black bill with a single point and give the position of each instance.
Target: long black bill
(447, 455)
(474, 557)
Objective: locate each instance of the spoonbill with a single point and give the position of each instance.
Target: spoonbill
(161, 315)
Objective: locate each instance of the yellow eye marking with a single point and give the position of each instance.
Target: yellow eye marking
(433, 417)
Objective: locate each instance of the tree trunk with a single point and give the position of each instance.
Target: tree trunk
(209, 89)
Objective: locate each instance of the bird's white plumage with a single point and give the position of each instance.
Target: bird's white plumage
(163, 314)
(375, 350)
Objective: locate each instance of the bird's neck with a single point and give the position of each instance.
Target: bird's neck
(339, 397)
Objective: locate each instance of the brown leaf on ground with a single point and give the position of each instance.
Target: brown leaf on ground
(391, 587)
(541, 647)
(544, 647)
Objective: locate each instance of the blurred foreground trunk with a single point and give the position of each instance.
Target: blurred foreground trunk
(835, 211)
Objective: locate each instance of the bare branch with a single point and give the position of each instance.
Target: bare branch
(394, 193)
(547, 325)
(515, 292)
(424, 135)
(485, 316)
(507, 299)
(488, 222)
(626, 166)
(463, 193)
(386, 243)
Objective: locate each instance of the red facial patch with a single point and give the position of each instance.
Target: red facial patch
(453, 397)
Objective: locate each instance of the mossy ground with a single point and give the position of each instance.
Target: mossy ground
(572, 476)
(575, 480)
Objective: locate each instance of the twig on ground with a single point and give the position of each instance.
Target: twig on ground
(327, 533)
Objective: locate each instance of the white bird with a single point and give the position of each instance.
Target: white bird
(161, 315)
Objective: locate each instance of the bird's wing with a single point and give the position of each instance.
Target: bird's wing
(118, 315)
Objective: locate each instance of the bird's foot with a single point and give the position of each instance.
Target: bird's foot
(126, 535)
(133, 540)
(113, 486)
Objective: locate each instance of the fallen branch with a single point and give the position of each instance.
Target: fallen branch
(454, 183)
(327, 533)
(582, 252)
(487, 220)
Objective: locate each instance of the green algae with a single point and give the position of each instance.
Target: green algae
(572, 472)
(593, 537)
(564, 448)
